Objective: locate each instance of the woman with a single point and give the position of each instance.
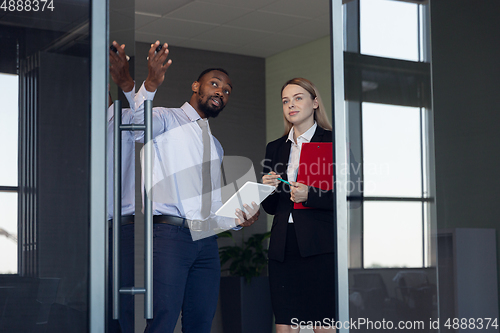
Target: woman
(301, 260)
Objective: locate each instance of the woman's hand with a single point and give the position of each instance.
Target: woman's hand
(299, 192)
(271, 179)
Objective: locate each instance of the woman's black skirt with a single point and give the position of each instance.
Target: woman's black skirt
(302, 289)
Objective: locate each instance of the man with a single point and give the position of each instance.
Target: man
(120, 74)
(186, 271)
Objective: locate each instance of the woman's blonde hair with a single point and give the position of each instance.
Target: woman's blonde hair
(319, 112)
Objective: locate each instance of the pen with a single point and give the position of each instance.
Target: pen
(282, 180)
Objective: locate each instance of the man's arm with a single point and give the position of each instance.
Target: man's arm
(119, 70)
(157, 67)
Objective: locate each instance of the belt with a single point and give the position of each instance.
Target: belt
(126, 219)
(194, 225)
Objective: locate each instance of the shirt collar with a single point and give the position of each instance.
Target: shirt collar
(190, 112)
(306, 136)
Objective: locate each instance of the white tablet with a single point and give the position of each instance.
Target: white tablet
(249, 192)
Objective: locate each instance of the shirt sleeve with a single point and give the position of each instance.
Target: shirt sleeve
(139, 98)
(127, 114)
(130, 97)
(138, 111)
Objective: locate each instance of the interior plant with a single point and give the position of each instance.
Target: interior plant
(246, 259)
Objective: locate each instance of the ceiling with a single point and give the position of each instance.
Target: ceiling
(258, 28)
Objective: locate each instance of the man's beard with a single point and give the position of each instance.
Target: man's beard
(209, 109)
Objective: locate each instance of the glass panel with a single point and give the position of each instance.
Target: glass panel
(8, 233)
(392, 241)
(389, 29)
(46, 47)
(8, 129)
(391, 151)
(392, 234)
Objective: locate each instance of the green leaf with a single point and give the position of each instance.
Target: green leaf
(248, 259)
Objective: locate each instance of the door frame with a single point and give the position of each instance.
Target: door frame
(99, 32)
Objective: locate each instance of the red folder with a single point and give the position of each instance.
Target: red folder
(315, 167)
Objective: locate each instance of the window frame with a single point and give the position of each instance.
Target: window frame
(357, 65)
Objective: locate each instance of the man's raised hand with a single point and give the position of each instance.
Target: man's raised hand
(118, 68)
(157, 66)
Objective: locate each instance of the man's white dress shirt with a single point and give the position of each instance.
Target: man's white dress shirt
(128, 161)
(177, 162)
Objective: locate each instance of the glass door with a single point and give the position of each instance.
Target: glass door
(46, 229)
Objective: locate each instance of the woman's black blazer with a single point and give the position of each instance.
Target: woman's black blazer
(314, 227)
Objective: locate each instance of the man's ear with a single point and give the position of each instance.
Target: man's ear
(195, 86)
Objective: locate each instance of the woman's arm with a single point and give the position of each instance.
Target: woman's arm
(270, 204)
(318, 198)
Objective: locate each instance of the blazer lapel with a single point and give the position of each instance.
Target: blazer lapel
(284, 154)
(318, 135)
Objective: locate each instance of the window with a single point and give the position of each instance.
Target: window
(8, 232)
(391, 150)
(388, 99)
(8, 129)
(389, 29)
(8, 172)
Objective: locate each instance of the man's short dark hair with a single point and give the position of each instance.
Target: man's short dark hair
(212, 69)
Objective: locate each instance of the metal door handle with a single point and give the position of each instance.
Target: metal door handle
(148, 210)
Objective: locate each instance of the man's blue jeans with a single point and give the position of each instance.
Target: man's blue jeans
(126, 322)
(186, 276)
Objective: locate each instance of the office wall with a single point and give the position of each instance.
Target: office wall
(465, 72)
(311, 61)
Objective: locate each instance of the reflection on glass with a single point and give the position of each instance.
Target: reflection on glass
(8, 129)
(8, 233)
(392, 275)
(391, 148)
(389, 29)
(49, 50)
(392, 234)
(393, 299)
